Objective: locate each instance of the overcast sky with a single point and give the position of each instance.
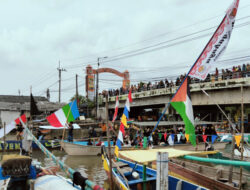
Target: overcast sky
(35, 35)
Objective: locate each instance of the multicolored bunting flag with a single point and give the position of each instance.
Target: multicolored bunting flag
(165, 136)
(216, 45)
(66, 114)
(224, 137)
(178, 137)
(123, 124)
(183, 105)
(12, 125)
(187, 137)
(237, 139)
(170, 140)
(116, 109)
(204, 137)
(214, 138)
(172, 136)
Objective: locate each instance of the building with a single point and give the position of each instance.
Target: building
(12, 106)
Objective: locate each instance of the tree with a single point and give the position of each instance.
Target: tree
(82, 100)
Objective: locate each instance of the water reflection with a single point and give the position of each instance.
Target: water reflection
(89, 166)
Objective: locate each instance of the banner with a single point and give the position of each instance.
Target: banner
(90, 87)
(216, 46)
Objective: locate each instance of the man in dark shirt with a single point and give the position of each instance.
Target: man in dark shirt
(70, 133)
(19, 132)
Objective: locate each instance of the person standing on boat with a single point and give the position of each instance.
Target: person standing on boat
(104, 128)
(70, 133)
(19, 132)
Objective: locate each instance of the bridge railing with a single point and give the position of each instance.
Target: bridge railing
(214, 83)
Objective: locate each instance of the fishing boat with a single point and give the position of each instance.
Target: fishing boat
(209, 177)
(47, 182)
(20, 171)
(14, 145)
(80, 148)
(129, 175)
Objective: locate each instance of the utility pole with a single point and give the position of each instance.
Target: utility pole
(97, 84)
(77, 101)
(59, 91)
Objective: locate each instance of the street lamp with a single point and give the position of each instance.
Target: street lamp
(97, 82)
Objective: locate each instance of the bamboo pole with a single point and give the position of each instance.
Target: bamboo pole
(4, 128)
(64, 129)
(162, 171)
(230, 176)
(242, 133)
(109, 148)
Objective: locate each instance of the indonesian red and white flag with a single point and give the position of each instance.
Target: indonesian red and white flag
(217, 44)
(116, 109)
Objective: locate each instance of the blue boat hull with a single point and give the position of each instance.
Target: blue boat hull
(134, 184)
(15, 145)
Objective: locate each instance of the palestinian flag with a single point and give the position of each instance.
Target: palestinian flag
(183, 105)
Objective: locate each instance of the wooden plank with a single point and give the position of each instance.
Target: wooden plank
(162, 171)
(121, 164)
(198, 178)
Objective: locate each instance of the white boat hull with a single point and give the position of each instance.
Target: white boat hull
(81, 150)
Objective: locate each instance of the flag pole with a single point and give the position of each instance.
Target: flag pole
(64, 129)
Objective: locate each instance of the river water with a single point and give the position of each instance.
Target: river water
(89, 166)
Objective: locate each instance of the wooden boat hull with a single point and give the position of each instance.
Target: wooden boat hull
(206, 176)
(81, 150)
(199, 147)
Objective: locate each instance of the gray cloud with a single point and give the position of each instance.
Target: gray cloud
(35, 35)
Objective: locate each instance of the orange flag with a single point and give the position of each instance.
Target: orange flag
(237, 139)
(187, 137)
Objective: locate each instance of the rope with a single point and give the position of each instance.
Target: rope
(69, 171)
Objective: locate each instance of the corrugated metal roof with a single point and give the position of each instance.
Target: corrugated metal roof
(20, 99)
(18, 103)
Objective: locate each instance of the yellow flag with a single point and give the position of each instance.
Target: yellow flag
(124, 120)
(237, 139)
(116, 151)
(187, 137)
(105, 164)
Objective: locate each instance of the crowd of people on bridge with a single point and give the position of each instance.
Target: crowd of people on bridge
(135, 136)
(224, 74)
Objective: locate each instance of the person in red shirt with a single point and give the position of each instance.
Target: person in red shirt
(99, 142)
